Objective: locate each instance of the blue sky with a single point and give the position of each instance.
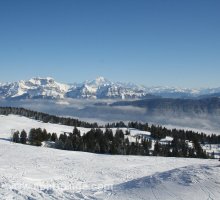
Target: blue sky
(151, 42)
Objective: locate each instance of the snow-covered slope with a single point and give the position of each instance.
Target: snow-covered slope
(18, 123)
(100, 88)
(10, 123)
(28, 172)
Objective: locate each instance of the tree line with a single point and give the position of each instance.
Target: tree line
(46, 118)
(94, 141)
(99, 141)
(105, 142)
(157, 132)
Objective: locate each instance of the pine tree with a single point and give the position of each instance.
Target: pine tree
(157, 149)
(23, 137)
(63, 137)
(68, 144)
(15, 137)
(53, 137)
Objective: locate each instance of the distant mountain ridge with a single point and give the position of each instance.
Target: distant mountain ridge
(100, 88)
(175, 107)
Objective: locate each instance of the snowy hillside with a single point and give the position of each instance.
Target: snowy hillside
(11, 123)
(29, 172)
(14, 122)
(100, 88)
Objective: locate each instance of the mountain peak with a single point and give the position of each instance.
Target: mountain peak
(41, 81)
(101, 79)
(42, 78)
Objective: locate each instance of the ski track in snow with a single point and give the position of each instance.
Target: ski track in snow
(28, 172)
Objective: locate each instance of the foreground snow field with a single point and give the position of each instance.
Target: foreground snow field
(28, 172)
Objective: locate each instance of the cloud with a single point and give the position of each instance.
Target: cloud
(100, 111)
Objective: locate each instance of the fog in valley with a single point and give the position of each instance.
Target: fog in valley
(103, 112)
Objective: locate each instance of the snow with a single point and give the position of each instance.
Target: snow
(167, 139)
(7, 123)
(28, 172)
(15, 122)
(212, 149)
(100, 88)
(135, 132)
(34, 87)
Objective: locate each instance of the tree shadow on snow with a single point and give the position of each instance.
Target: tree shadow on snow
(6, 139)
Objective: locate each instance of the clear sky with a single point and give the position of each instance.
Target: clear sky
(151, 42)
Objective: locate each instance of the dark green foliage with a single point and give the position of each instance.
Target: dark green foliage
(15, 137)
(97, 141)
(37, 136)
(63, 137)
(116, 125)
(68, 145)
(53, 137)
(158, 132)
(23, 137)
(179, 148)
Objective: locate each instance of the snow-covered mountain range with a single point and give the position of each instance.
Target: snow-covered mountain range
(100, 88)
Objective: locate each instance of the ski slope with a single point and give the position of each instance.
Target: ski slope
(18, 123)
(10, 123)
(28, 172)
